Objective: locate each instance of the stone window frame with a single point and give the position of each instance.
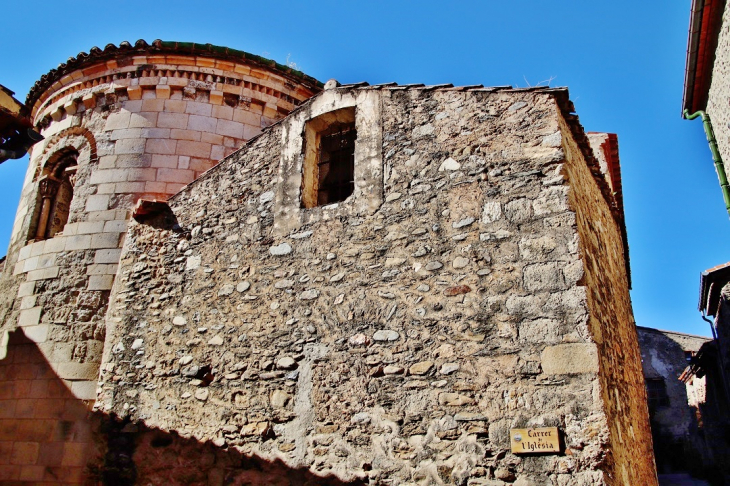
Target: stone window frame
(75, 141)
(59, 175)
(367, 197)
(339, 123)
(656, 394)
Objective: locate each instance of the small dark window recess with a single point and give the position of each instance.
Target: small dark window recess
(328, 172)
(656, 394)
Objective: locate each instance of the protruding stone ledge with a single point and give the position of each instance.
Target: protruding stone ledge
(146, 209)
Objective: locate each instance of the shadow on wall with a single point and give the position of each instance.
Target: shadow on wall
(712, 414)
(48, 436)
(682, 440)
(46, 433)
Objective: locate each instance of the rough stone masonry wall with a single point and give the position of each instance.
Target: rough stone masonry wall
(718, 100)
(611, 324)
(143, 127)
(399, 346)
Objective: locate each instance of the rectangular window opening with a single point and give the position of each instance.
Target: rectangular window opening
(656, 393)
(328, 172)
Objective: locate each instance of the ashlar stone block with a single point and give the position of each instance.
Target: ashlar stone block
(77, 371)
(30, 317)
(570, 359)
(100, 282)
(97, 202)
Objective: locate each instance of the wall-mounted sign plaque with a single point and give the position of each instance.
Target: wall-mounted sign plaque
(530, 441)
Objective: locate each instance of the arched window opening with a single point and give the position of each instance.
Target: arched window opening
(55, 188)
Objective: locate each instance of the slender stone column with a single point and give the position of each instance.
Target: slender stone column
(48, 189)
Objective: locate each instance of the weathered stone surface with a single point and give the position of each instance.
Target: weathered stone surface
(457, 290)
(359, 340)
(460, 262)
(393, 369)
(544, 276)
(430, 266)
(553, 140)
(192, 263)
(310, 294)
(449, 164)
(216, 341)
(361, 418)
(255, 429)
(279, 398)
(568, 359)
(468, 416)
(386, 335)
(281, 249)
(463, 222)
(302, 235)
(455, 399)
(518, 211)
(421, 368)
(284, 284)
(267, 196)
(394, 262)
(286, 363)
(448, 368)
(227, 289)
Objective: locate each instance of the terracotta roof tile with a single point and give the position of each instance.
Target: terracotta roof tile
(85, 60)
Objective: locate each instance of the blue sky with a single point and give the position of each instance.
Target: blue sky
(623, 62)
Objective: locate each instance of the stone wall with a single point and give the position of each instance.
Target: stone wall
(678, 442)
(611, 323)
(718, 99)
(397, 342)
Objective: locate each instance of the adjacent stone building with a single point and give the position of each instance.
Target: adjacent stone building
(711, 368)
(676, 403)
(708, 68)
(373, 290)
(706, 91)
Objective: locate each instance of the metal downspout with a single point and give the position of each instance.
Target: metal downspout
(716, 338)
(719, 168)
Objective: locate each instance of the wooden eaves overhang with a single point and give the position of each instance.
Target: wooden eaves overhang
(705, 23)
(712, 282)
(13, 114)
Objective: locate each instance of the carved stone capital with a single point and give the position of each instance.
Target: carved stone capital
(48, 188)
